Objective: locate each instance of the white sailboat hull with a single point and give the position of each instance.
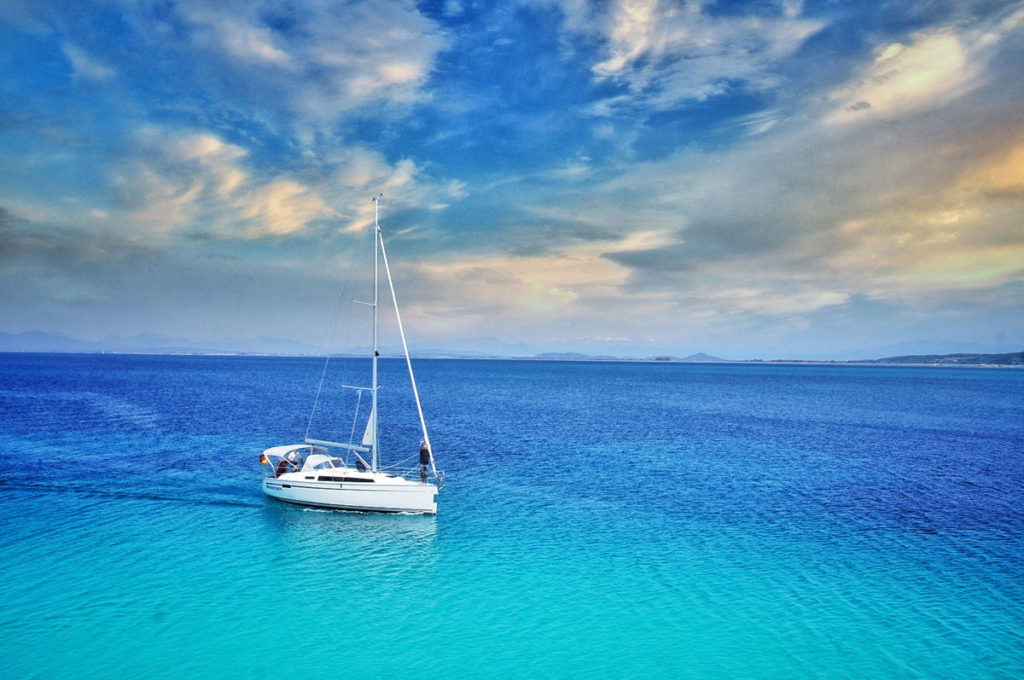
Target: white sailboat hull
(386, 494)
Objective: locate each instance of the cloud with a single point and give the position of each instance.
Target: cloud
(356, 173)
(187, 180)
(966, 236)
(668, 54)
(295, 68)
(87, 66)
(1000, 175)
(217, 28)
(95, 284)
(550, 284)
(174, 181)
(281, 207)
(48, 272)
(812, 215)
(321, 61)
(928, 70)
(807, 216)
(931, 70)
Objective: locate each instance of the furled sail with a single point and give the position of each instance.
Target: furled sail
(370, 435)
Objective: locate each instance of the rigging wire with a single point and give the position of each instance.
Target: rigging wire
(327, 354)
(405, 348)
(330, 333)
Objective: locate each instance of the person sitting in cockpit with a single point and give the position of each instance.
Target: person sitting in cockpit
(290, 463)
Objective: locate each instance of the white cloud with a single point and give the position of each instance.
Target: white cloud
(931, 70)
(247, 43)
(669, 53)
(926, 71)
(280, 207)
(192, 181)
(358, 172)
(306, 65)
(566, 285)
(176, 181)
(86, 65)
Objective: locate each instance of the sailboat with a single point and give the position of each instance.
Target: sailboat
(315, 473)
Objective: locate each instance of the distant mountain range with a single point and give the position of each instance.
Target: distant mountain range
(38, 341)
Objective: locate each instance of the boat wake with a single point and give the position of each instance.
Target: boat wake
(92, 492)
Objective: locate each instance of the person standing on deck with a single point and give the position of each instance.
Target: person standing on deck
(424, 460)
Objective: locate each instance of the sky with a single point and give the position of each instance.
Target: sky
(763, 179)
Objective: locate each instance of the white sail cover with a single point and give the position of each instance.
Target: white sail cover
(371, 429)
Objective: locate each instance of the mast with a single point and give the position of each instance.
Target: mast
(377, 243)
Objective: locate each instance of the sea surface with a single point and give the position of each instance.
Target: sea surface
(599, 520)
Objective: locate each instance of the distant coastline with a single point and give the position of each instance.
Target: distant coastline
(959, 359)
(47, 343)
(1007, 359)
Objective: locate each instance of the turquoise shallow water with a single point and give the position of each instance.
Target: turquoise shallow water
(600, 520)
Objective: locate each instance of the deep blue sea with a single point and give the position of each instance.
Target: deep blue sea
(600, 520)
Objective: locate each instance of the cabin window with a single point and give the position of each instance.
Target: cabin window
(324, 478)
